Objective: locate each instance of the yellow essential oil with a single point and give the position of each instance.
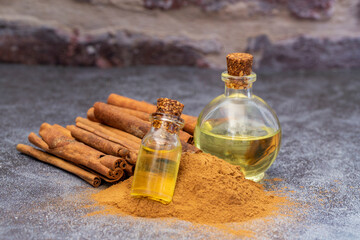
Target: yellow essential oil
(254, 150)
(155, 174)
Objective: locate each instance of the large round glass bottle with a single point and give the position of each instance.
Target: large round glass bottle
(240, 128)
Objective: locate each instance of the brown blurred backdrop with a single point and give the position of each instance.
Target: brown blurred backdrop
(282, 34)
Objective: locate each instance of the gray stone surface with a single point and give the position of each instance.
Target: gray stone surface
(305, 52)
(319, 158)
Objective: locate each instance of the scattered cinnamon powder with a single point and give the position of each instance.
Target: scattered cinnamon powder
(277, 179)
(208, 190)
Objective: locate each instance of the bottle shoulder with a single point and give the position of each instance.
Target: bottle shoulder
(221, 101)
(240, 109)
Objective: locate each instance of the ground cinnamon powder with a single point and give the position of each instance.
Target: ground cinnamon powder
(209, 190)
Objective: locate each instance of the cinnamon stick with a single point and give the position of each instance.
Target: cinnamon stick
(142, 115)
(102, 177)
(102, 132)
(190, 123)
(110, 115)
(186, 137)
(110, 131)
(102, 144)
(91, 116)
(125, 102)
(121, 101)
(186, 147)
(127, 167)
(55, 142)
(63, 130)
(133, 150)
(97, 142)
(116, 117)
(146, 117)
(91, 178)
(123, 134)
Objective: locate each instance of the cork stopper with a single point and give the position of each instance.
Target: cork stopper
(239, 64)
(169, 106)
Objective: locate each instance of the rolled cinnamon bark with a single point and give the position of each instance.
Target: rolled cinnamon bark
(62, 130)
(125, 102)
(97, 142)
(103, 144)
(133, 150)
(91, 178)
(55, 142)
(110, 115)
(101, 132)
(91, 116)
(102, 177)
(123, 134)
(186, 137)
(190, 123)
(146, 117)
(186, 147)
(142, 115)
(116, 117)
(121, 101)
(127, 167)
(110, 131)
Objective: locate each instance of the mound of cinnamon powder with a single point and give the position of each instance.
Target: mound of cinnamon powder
(208, 190)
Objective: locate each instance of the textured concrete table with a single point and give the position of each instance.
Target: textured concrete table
(319, 160)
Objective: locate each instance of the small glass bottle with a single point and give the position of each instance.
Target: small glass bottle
(159, 155)
(238, 126)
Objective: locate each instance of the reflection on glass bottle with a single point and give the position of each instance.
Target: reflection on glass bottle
(240, 127)
(159, 155)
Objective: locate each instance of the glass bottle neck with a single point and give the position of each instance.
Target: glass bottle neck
(246, 92)
(165, 128)
(240, 86)
(169, 123)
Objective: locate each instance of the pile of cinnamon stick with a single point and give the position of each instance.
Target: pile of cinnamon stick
(104, 146)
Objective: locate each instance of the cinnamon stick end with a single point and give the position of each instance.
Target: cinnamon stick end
(91, 115)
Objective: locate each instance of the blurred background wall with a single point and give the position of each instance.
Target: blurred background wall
(282, 34)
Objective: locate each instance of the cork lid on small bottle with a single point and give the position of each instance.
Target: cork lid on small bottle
(169, 107)
(239, 64)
